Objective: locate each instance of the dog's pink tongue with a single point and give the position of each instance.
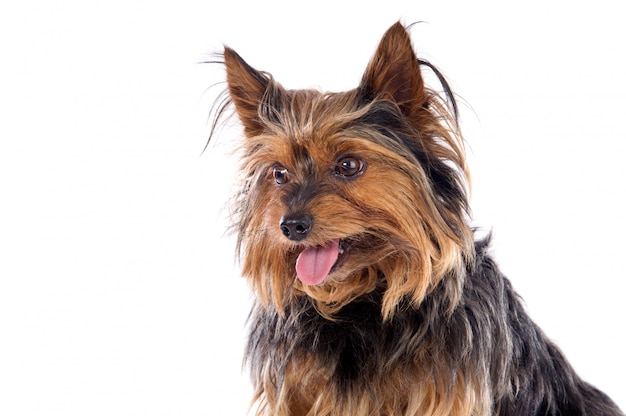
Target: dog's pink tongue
(314, 263)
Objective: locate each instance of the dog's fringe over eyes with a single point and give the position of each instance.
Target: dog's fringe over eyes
(373, 298)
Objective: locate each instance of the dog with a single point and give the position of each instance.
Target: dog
(374, 296)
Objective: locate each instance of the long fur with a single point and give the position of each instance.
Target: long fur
(417, 319)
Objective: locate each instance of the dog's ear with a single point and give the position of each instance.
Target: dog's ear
(247, 88)
(394, 72)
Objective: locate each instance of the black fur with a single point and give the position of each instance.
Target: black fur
(489, 325)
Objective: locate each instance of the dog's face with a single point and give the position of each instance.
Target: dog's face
(347, 193)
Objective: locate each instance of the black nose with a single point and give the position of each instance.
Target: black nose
(296, 227)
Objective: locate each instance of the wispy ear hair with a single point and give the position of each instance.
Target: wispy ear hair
(221, 103)
(447, 90)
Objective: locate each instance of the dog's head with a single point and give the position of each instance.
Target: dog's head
(348, 193)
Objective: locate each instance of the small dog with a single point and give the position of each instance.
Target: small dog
(374, 297)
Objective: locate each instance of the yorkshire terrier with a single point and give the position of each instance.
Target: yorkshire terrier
(373, 295)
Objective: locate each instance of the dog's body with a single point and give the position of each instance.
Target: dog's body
(373, 296)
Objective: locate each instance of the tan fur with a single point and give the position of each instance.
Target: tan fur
(418, 233)
(307, 393)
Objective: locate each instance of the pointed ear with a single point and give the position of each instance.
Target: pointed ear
(394, 72)
(246, 87)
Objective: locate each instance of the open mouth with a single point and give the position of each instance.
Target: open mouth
(315, 263)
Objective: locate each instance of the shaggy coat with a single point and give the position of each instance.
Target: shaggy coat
(373, 295)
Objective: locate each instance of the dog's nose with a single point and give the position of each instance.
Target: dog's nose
(296, 227)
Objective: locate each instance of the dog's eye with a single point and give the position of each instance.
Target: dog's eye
(280, 175)
(349, 166)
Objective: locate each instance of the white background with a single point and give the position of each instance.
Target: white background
(119, 294)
